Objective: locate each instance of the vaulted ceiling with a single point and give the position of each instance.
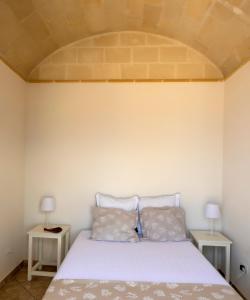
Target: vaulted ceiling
(30, 30)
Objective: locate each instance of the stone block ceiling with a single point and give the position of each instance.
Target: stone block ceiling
(126, 55)
(31, 30)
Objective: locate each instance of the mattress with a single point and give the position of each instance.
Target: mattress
(144, 261)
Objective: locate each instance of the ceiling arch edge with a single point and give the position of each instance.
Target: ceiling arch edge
(126, 55)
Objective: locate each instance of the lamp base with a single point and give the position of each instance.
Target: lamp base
(212, 227)
(46, 221)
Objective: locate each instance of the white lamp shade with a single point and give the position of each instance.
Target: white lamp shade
(212, 211)
(48, 204)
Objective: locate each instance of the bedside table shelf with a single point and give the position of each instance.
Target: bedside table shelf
(205, 238)
(38, 232)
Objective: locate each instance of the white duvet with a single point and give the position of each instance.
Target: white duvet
(178, 262)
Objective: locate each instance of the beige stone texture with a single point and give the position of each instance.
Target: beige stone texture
(153, 2)
(106, 71)
(67, 55)
(221, 13)
(211, 36)
(117, 55)
(83, 60)
(35, 26)
(212, 72)
(191, 71)
(52, 72)
(173, 54)
(194, 56)
(90, 55)
(151, 16)
(230, 64)
(132, 39)
(107, 40)
(10, 21)
(94, 17)
(42, 26)
(246, 7)
(162, 71)
(134, 71)
(236, 2)
(115, 14)
(198, 10)
(146, 54)
(21, 11)
(153, 39)
(79, 72)
(88, 42)
(243, 50)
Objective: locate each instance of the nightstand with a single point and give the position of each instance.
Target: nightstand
(204, 238)
(39, 233)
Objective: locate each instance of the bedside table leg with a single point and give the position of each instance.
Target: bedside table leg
(40, 253)
(200, 247)
(216, 257)
(59, 252)
(66, 243)
(228, 263)
(30, 258)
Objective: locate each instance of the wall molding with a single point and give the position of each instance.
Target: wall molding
(126, 81)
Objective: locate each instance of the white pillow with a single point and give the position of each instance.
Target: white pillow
(108, 201)
(159, 201)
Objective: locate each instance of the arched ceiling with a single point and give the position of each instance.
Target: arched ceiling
(126, 55)
(30, 30)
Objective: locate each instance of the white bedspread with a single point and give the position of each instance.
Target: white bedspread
(143, 261)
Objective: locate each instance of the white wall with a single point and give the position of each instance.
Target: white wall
(236, 210)
(12, 94)
(122, 139)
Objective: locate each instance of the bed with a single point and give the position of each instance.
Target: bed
(144, 270)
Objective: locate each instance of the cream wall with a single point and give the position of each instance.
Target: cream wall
(236, 208)
(122, 139)
(12, 94)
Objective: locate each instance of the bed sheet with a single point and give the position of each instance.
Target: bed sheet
(143, 261)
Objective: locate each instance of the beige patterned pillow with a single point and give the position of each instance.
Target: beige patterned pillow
(114, 224)
(163, 224)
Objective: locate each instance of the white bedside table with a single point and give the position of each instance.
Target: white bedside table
(38, 232)
(204, 238)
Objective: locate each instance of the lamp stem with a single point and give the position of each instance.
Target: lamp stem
(46, 219)
(212, 227)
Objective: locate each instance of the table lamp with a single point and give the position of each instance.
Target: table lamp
(212, 212)
(47, 205)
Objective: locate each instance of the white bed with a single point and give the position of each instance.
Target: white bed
(143, 261)
(143, 270)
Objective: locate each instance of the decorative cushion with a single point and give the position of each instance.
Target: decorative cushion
(157, 201)
(108, 201)
(163, 224)
(114, 224)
